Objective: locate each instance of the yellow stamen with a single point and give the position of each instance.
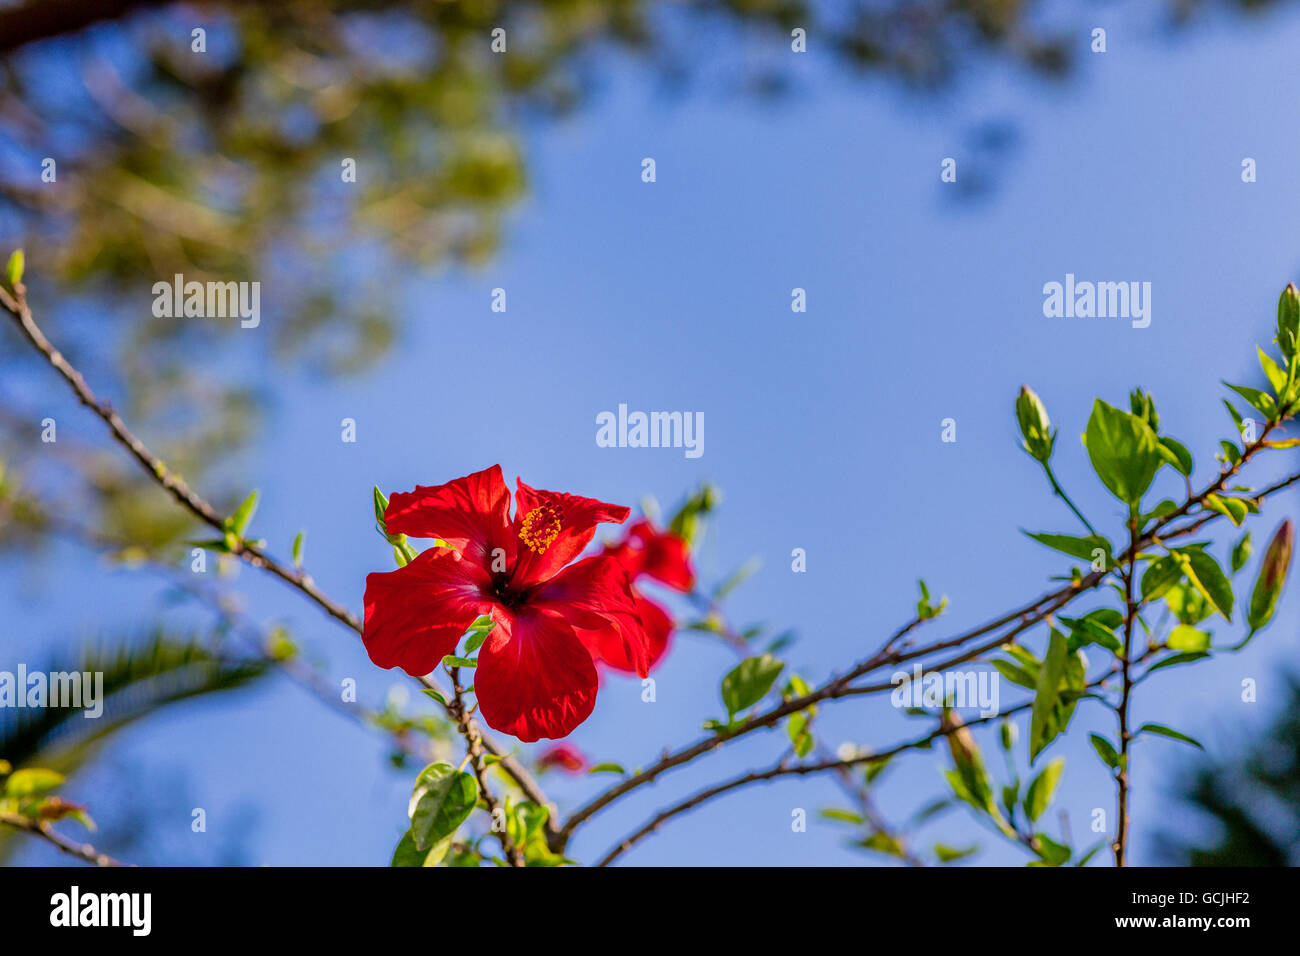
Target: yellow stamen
(540, 527)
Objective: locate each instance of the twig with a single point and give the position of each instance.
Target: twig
(474, 750)
(784, 769)
(39, 828)
(16, 305)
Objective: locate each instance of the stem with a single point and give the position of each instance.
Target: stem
(474, 754)
(1060, 493)
(16, 305)
(1121, 712)
(82, 851)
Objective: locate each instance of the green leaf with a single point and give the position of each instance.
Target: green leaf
(1276, 377)
(1173, 660)
(748, 682)
(32, 782)
(925, 610)
(381, 506)
(1258, 400)
(1017, 675)
(1028, 661)
(1208, 578)
(1177, 455)
(797, 729)
(1051, 852)
(1163, 508)
(741, 575)
(1236, 416)
(408, 854)
(948, 854)
(1160, 575)
(608, 768)
(1234, 509)
(1089, 630)
(430, 692)
(1122, 448)
(1169, 732)
(1041, 789)
(297, 550)
(452, 660)
(14, 269)
(882, 842)
(1108, 754)
(1047, 695)
(842, 816)
(1083, 548)
(1241, 553)
(442, 800)
(479, 632)
(243, 514)
(1187, 638)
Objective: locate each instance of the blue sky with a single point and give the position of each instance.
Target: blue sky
(822, 429)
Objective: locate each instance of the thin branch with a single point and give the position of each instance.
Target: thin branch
(1027, 616)
(16, 305)
(785, 769)
(1121, 712)
(474, 749)
(42, 829)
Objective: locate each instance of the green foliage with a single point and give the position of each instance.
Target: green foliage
(1059, 681)
(442, 800)
(1250, 797)
(14, 268)
(140, 678)
(748, 683)
(1124, 452)
(927, 609)
(1042, 788)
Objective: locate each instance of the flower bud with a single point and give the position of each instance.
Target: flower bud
(14, 269)
(1288, 319)
(1009, 732)
(1272, 576)
(1144, 406)
(1034, 424)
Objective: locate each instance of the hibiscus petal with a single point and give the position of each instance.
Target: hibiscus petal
(660, 555)
(416, 615)
(535, 678)
(471, 514)
(610, 648)
(577, 519)
(596, 597)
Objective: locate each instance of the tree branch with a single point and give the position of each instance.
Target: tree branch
(39, 828)
(16, 305)
(474, 749)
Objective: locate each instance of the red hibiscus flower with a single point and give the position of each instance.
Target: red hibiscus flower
(663, 557)
(535, 676)
(564, 756)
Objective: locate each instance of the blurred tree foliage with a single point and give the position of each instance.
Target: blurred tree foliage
(226, 165)
(1252, 803)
